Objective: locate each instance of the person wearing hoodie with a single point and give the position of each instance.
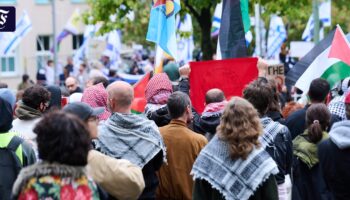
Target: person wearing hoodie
(118, 177)
(35, 102)
(206, 124)
(308, 180)
(334, 155)
(24, 152)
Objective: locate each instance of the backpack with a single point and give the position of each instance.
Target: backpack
(10, 165)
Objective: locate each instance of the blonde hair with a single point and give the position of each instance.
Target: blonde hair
(240, 127)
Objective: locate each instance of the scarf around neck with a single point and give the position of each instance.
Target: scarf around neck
(305, 150)
(24, 112)
(131, 137)
(271, 129)
(214, 108)
(234, 179)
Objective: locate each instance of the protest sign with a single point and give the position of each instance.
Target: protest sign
(231, 76)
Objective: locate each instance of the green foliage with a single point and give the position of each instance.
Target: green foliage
(295, 14)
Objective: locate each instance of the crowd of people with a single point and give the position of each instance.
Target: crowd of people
(84, 142)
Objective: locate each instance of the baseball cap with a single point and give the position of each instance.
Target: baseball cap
(83, 110)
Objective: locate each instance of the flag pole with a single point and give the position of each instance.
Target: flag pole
(54, 38)
(316, 21)
(257, 30)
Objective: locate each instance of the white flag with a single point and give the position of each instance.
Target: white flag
(113, 48)
(10, 40)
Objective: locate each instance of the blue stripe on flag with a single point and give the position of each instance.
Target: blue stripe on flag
(17, 37)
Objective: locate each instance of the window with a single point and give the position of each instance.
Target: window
(7, 1)
(9, 64)
(77, 41)
(43, 47)
(42, 1)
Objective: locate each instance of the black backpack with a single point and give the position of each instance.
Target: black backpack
(10, 165)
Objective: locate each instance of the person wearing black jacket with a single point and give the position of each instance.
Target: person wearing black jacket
(334, 155)
(318, 91)
(276, 138)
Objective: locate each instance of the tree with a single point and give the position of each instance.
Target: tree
(295, 13)
(102, 10)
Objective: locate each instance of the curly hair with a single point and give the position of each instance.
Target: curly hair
(240, 127)
(63, 138)
(35, 95)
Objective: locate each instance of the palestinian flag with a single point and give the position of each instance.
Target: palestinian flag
(330, 59)
(139, 102)
(235, 23)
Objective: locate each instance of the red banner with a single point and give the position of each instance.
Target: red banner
(231, 76)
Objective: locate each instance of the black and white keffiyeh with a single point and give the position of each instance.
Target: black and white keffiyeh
(271, 130)
(131, 137)
(234, 179)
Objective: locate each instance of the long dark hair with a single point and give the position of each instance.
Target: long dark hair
(317, 119)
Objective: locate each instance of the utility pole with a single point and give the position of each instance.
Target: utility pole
(257, 30)
(53, 3)
(316, 21)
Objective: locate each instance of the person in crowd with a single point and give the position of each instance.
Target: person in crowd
(172, 70)
(55, 97)
(183, 147)
(83, 75)
(274, 110)
(318, 91)
(68, 69)
(63, 144)
(334, 157)
(337, 105)
(307, 177)
(3, 85)
(49, 73)
(19, 95)
(131, 137)
(72, 85)
(96, 80)
(7, 94)
(26, 83)
(118, 177)
(157, 93)
(96, 96)
(35, 102)
(234, 165)
(276, 138)
(290, 108)
(215, 102)
(135, 69)
(15, 153)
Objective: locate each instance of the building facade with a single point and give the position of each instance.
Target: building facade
(34, 50)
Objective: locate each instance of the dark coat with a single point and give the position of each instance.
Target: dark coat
(207, 125)
(161, 116)
(308, 184)
(204, 191)
(296, 122)
(335, 166)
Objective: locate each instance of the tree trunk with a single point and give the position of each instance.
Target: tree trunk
(204, 21)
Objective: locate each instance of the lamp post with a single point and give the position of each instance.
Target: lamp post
(316, 21)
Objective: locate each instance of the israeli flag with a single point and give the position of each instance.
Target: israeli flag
(185, 46)
(325, 17)
(11, 40)
(277, 35)
(113, 48)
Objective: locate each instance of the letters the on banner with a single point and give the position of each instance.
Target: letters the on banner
(276, 72)
(231, 76)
